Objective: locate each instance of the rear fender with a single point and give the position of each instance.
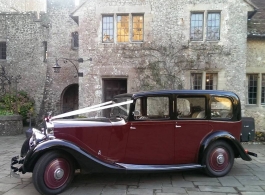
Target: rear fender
(223, 135)
(84, 160)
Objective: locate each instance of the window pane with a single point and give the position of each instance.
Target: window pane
(138, 28)
(196, 29)
(151, 108)
(211, 82)
(107, 29)
(263, 89)
(191, 107)
(252, 88)
(196, 81)
(157, 107)
(213, 26)
(221, 107)
(122, 28)
(2, 50)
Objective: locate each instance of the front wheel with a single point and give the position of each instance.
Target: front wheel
(53, 172)
(218, 159)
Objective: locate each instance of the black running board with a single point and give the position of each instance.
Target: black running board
(133, 167)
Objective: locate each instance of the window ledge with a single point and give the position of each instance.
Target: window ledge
(255, 106)
(122, 43)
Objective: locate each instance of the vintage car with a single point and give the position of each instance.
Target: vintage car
(166, 130)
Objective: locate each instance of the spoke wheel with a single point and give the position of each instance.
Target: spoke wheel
(218, 159)
(53, 173)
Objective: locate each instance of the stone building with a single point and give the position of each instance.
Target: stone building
(135, 45)
(255, 68)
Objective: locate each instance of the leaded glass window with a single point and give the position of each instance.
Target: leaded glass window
(107, 28)
(213, 26)
(196, 27)
(252, 88)
(196, 81)
(138, 28)
(123, 28)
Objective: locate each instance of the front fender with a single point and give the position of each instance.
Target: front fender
(85, 160)
(223, 135)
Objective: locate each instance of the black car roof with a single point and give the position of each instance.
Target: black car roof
(181, 92)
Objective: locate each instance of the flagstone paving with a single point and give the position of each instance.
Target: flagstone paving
(245, 178)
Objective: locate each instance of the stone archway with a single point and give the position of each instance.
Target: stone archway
(70, 98)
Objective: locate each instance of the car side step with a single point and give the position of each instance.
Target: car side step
(133, 167)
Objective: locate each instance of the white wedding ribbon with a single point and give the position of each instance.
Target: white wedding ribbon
(92, 108)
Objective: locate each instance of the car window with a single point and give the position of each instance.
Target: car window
(221, 108)
(151, 108)
(121, 110)
(191, 107)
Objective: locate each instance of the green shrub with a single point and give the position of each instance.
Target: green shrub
(5, 113)
(19, 103)
(260, 136)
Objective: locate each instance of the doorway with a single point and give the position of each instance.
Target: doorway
(70, 98)
(112, 87)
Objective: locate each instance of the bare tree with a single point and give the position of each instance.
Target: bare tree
(163, 66)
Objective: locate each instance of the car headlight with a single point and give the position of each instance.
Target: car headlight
(37, 136)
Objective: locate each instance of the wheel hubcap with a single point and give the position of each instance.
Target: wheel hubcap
(219, 159)
(57, 173)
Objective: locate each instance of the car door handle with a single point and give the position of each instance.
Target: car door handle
(177, 126)
(132, 127)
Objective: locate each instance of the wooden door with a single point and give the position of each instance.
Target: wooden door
(112, 87)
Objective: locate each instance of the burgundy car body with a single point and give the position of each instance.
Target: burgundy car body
(170, 138)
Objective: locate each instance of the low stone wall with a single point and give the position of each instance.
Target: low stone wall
(11, 125)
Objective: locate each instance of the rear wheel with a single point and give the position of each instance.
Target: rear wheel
(53, 173)
(218, 159)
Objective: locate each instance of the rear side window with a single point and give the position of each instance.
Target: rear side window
(221, 108)
(151, 108)
(191, 107)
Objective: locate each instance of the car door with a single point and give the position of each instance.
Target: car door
(191, 126)
(151, 134)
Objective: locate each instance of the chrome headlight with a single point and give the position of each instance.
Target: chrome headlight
(49, 130)
(36, 137)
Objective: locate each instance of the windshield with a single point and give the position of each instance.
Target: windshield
(121, 111)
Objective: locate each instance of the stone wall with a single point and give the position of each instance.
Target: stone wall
(60, 46)
(11, 125)
(166, 23)
(24, 35)
(22, 5)
(255, 65)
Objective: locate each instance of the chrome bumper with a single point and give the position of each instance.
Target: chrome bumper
(14, 168)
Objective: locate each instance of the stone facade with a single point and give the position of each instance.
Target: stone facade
(11, 125)
(165, 23)
(22, 6)
(25, 34)
(166, 37)
(256, 64)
